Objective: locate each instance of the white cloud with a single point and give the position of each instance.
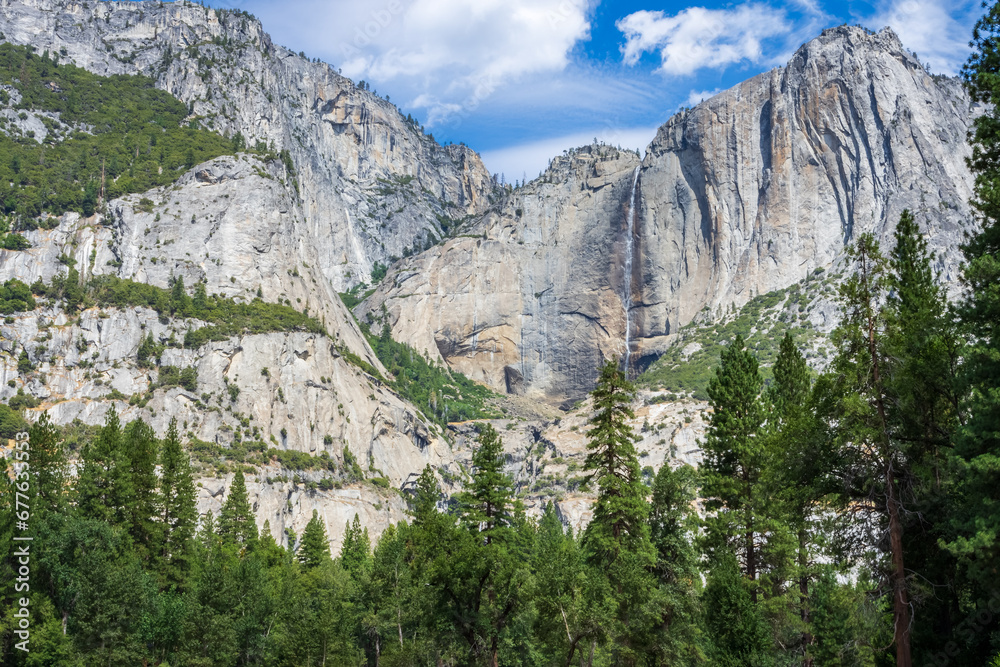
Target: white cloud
(938, 31)
(697, 96)
(443, 56)
(696, 37)
(527, 160)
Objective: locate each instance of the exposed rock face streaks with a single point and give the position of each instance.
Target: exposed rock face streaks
(371, 185)
(605, 255)
(531, 299)
(745, 193)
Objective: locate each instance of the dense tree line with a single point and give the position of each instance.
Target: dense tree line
(117, 132)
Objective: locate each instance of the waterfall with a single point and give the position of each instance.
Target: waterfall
(627, 281)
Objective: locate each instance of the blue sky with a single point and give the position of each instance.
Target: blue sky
(521, 80)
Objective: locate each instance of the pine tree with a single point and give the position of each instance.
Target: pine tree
(143, 511)
(355, 554)
(104, 487)
(873, 465)
(73, 290)
(838, 610)
(977, 444)
(736, 630)
(270, 553)
(487, 503)
(795, 464)
(617, 538)
(395, 605)
(790, 390)
(673, 524)
(200, 299)
(147, 348)
(924, 348)
(180, 513)
(208, 535)
(735, 456)
(426, 497)
(180, 302)
(315, 547)
(236, 520)
(924, 411)
(621, 509)
(48, 463)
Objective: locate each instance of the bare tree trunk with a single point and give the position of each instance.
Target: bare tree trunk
(900, 599)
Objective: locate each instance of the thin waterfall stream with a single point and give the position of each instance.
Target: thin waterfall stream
(627, 278)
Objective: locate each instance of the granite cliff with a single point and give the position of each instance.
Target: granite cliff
(746, 193)
(371, 185)
(607, 254)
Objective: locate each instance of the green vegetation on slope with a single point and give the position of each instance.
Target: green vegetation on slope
(225, 317)
(15, 297)
(762, 322)
(443, 395)
(121, 125)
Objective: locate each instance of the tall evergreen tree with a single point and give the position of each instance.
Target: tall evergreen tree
(736, 631)
(355, 554)
(143, 511)
(236, 520)
(315, 547)
(873, 465)
(673, 523)
(48, 464)
(426, 496)
(393, 604)
(73, 290)
(180, 513)
(180, 301)
(621, 510)
(617, 538)
(794, 476)
(735, 456)
(104, 487)
(977, 445)
(575, 604)
(924, 350)
(487, 503)
(841, 614)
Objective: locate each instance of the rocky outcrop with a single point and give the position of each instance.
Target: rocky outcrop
(293, 391)
(371, 185)
(233, 223)
(285, 505)
(528, 302)
(746, 193)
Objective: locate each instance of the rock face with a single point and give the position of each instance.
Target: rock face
(530, 301)
(746, 193)
(605, 254)
(370, 184)
(362, 185)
